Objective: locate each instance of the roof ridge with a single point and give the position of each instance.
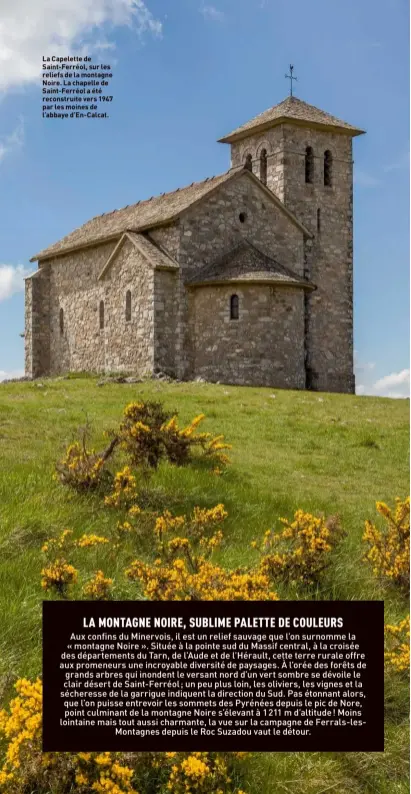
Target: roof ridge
(153, 212)
(145, 212)
(156, 196)
(155, 243)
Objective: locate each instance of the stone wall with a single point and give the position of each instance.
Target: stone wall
(37, 331)
(186, 331)
(169, 294)
(168, 238)
(330, 334)
(273, 143)
(165, 321)
(213, 227)
(74, 288)
(329, 262)
(264, 347)
(129, 344)
(78, 343)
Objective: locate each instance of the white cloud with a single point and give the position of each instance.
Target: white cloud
(395, 385)
(8, 143)
(213, 13)
(14, 373)
(30, 30)
(11, 280)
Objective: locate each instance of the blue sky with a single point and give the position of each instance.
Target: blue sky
(185, 73)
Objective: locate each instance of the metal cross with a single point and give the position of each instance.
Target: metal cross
(291, 77)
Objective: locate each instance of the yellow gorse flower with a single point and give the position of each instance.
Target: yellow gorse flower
(88, 541)
(58, 575)
(124, 489)
(397, 641)
(80, 467)
(57, 545)
(300, 551)
(389, 547)
(26, 768)
(99, 588)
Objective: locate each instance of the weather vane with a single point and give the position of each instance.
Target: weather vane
(291, 77)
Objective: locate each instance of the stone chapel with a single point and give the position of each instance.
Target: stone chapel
(244, 278)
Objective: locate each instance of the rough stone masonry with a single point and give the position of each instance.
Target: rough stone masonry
(245, 278)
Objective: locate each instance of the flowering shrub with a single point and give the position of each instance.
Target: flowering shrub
(148, 434)
(178, 442)
(201, 530)
(58, 576)
(200, 772)
(98, 588)
(300, 552)
(183, 570)
(66, 543)
(124, 489)
(22, 729)
(27, 769)
(58, 545)
(82, 468)
(397, 641)
(389, 548)
(140, 433)
(175, 582)
(89, 541)
(104, 773)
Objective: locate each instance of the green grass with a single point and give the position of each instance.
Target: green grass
(323, 453)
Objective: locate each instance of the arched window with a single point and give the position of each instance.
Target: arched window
(309, 165)
(128, 306)
(318, 220)
(234, 307)
(101, 315)
(328, 168)
(248, 162)
(263, 166)
(61, 320)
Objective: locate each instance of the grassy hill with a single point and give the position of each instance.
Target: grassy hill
(320, 452)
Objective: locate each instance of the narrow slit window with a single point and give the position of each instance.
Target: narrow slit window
(248, 162)
(328, 168)
(234, 307)
(128, 306)
(61, 321)
(309, 165)
(263, 166)
(101, 315)
(318, 220)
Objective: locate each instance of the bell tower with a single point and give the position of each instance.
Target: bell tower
(304, 156)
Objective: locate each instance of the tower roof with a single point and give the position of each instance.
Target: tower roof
(294, 111)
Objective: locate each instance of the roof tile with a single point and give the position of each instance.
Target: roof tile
(245, 262)
(296, 110)
(136, 217)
